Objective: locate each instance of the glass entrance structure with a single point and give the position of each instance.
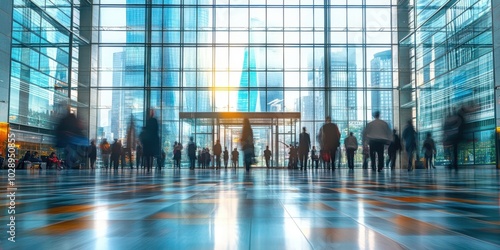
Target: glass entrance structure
(277, 130)
(113, 60)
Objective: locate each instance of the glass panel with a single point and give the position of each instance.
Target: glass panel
(238, 19)
(292, 58)
(222, 101)
(484, 147)
(354, 23)
(291, 101)
(292, 37)
(274, 101)
(275, 37)
(291, 20)
(275, 18)
(204, 79)
(378, 37)
(339, 21)
(305, 18)
(466, 150)
(233, 100)
(203, 101)
(238, 59)
(221, 58)
(190, 80)
(275, 58)
(238, 37)
(274, 79)
(378, 19)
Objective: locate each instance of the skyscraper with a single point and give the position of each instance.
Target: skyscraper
(343, 83)
(247, 93)
(381, 77)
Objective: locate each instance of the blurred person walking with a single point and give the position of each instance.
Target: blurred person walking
(217, 149)
(177, 150)
(377, 134)
(191, 153)
(329, 137)
(410, 140)
(429, 149)
(247, 144)
(207, 158)
(452, 134)
(69, 135)
(393, 149)
(92, 154)
(304, 146)
(150, 140)
(226, 157)
(116, 152)
(235, 157)
(138, 155)
(130, 143)
(314, 157)
(200, 158)
(105, 152)
(267, 156)
(366, 155)
(351, 145)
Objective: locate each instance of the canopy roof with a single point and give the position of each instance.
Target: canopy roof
(236, 118)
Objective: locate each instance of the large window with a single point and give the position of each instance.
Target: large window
(250, 56)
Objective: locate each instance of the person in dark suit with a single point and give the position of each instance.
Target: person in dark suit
(453, 134)
(217, 149)
(267, 156)
(191, 153)
(429, 148)
(329, 137)
(235, 155)
(116, 152)
(138, 155)
(92, 154)
(304, 146)
(247, 144)
(393, 149)
(410, 138)
(226, 157)
(150, 140)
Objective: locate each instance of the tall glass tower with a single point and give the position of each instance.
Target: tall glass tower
(248, 99)
(382, 84)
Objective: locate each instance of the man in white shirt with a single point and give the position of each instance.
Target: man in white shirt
(351, 145)
(377, 134)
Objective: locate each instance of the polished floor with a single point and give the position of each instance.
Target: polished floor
(262, 209)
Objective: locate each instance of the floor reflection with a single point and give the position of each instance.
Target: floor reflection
(263, 209)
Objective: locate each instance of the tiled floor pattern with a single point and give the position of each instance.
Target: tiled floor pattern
(262, 209)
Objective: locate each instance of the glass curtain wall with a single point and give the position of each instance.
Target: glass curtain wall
(44, 69)
(452, 66)
(311, 56)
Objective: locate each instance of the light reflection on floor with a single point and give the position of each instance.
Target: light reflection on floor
(263, 209)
